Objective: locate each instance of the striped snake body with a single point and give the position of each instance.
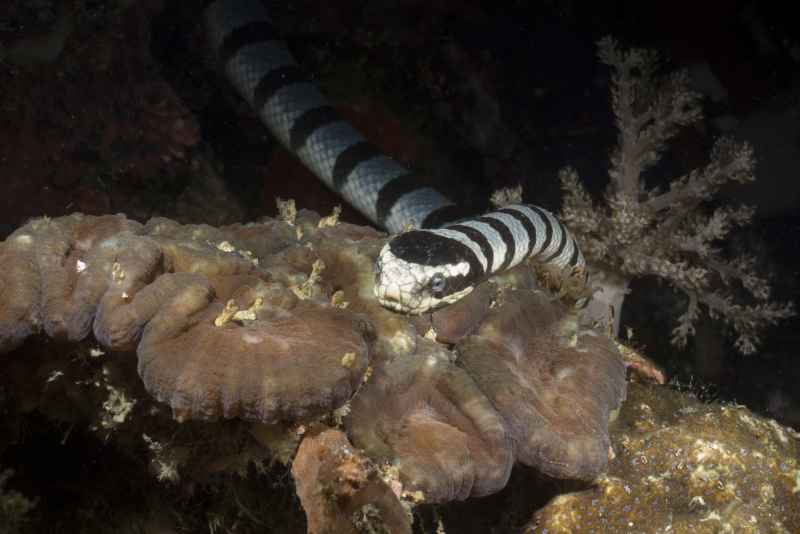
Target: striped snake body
(418, 270)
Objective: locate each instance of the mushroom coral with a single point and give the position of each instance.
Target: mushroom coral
(217, 335)
(275, 322)
(53, 272)
(527, 385)
(554, 384)
(425, 414)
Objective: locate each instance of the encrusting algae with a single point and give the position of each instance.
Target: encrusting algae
(683, 466)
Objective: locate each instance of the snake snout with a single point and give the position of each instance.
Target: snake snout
(396, 287)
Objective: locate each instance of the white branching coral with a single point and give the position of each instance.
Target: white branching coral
(164, 462)
(669, 234)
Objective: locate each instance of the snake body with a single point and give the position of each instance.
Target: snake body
(417, 270)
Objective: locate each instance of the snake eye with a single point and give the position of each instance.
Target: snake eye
(438, 285)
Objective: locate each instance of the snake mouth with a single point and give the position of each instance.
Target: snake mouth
(394, 306)
(400, 286)
(401, 306)
(390, 296)
(396, 298)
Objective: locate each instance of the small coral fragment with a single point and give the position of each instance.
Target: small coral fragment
(225, 246)
(505, 196)
(116, 407)
(227, 313)
(250, 313)
(306, 289)
(338, 299)
(331, 220)
(349, 359)
(342, 491)
(287, 211)
(164, 463)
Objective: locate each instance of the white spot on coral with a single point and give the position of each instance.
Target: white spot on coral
(251, 338)
(431, 334)
(565, 373)
(779, 433)
(697, 502)
(117, 273)
(712, 516)
(80, 266)
(225, 246)
(348, 360)
(401, 342)
(24, 239)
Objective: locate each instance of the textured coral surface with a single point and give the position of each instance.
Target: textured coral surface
(275, 323)
(554, 394)
(425, 413)
(342, 490)
(685, 466)
(217, 335)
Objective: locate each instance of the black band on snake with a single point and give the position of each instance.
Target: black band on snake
(419, 270)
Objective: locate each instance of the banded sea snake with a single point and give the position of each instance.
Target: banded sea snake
(444, 257)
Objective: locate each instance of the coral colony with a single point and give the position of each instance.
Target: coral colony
(260, 338)
(220, 352)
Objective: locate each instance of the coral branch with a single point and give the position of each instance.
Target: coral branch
(646, 232)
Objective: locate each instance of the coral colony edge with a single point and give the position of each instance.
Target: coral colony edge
(302, 373)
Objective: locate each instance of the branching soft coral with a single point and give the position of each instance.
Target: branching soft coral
(668, 234)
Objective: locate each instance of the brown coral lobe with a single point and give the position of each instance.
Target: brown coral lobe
(282, 365)
(167, 290)
(554, 386)
(53, 273)
(425, 414)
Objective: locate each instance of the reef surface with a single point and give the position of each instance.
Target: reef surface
(275, 324)
(204, 361)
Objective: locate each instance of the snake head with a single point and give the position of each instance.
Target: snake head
(420, 270)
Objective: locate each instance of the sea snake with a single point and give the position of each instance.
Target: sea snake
(445, 256)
